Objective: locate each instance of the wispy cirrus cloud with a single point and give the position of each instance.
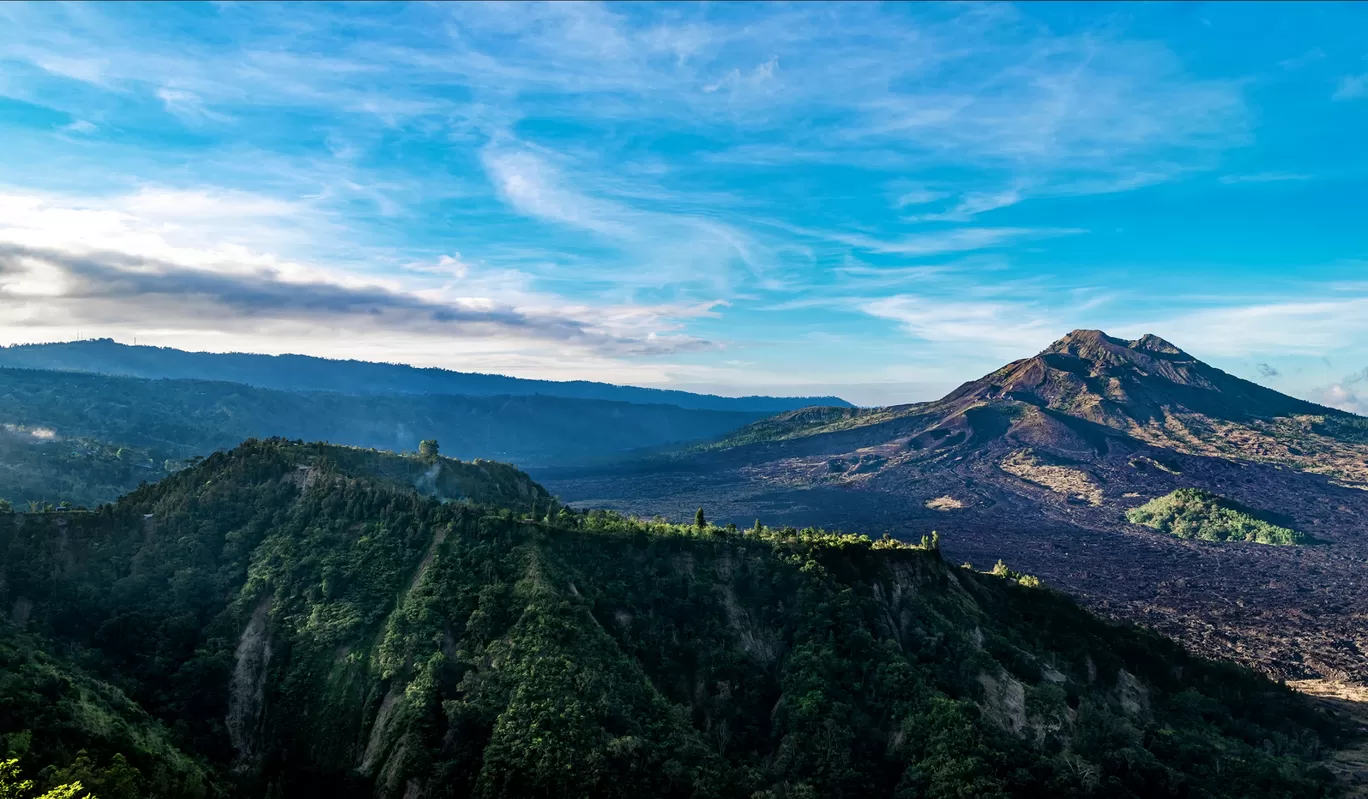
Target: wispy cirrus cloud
(685, 246)
(1264, 177)
(950, 241)
(918, 196)
(187, 105)
(1008, 329)
(1296, 327)
(81, 127)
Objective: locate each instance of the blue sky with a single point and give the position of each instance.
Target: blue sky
(875, 201)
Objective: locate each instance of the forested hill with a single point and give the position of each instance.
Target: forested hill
(294, 620)
(305, 373)
(86, 438)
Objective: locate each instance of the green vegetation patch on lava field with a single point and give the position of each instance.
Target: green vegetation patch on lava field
(1202, 515)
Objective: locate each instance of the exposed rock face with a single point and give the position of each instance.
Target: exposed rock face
(379, 729)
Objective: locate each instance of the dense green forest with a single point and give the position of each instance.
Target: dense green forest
(307, 373)
(288, 619)
(38, 471)
(1199, 514)
(87, 438)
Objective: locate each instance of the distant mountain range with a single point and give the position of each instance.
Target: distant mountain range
(1040, 461)
(86, 438)
(307, 373)
(85, 421)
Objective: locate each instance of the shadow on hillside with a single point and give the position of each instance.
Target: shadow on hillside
(1349, 764)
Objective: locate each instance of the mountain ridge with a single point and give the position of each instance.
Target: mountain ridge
(86, 438)
(310, 373)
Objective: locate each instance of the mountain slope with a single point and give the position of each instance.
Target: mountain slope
(306, 373)
(311, 624)
(1146, 389)
(54, 714)
(1040, 461)
(63, 431)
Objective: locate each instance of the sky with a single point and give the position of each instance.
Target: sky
(874, 201)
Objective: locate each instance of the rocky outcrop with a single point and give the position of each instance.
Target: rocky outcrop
(247, 689)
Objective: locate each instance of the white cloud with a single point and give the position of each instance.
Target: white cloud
(872, 277)
(738, 83)
(1311, 327)
(1351, 87)
(87, 70)
(451, 266)
(972, 204)
(919, 196)
(1347, 394)
(1339, 395)
(198, 263)
(80, 126)
(1297, 62)
(187, 105)
(533, 187)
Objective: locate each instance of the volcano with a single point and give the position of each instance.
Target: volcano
(1041, 460)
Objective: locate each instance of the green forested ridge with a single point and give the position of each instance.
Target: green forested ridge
(1195, 513)
(99, 436)
(301, 617)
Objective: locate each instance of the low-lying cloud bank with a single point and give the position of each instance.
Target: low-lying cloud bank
(48, 287)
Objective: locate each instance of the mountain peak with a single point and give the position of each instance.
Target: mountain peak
(1096, 345)
(1084, 336)
(1128, 384)
(1152, 343)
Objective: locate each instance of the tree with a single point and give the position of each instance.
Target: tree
(699, 520)
(12, 787)
(427, 448)
(757, 529)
